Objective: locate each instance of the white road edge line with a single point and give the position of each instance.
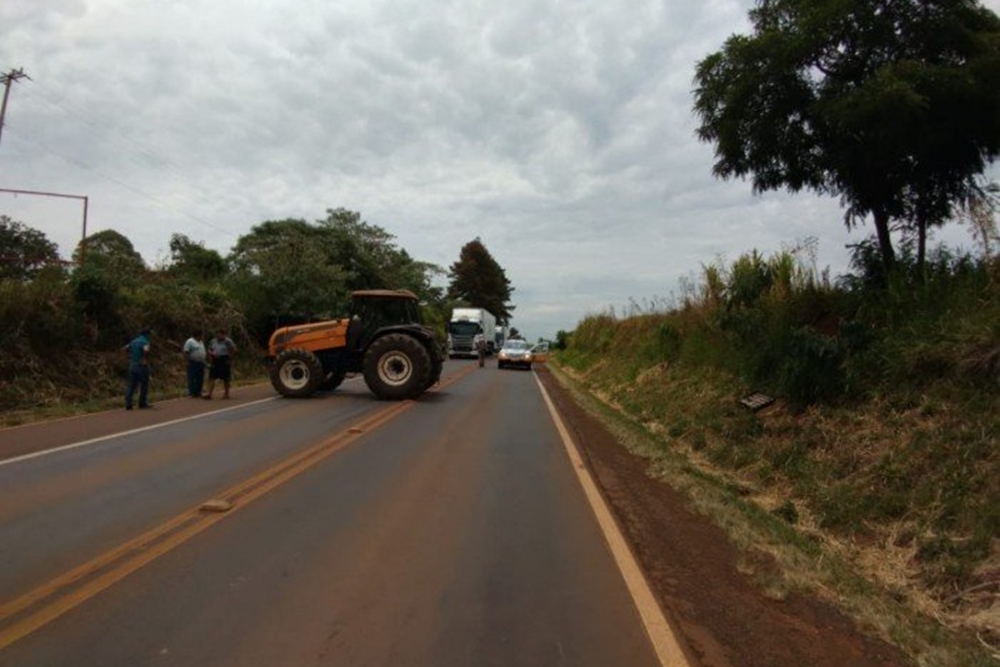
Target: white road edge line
(111, 436)
(668, 649)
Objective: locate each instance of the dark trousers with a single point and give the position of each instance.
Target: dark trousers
(221, 370)
(138, 376)
(195, 377)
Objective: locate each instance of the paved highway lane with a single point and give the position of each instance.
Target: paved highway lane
(446, 531)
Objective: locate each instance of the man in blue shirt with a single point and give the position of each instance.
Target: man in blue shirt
(138, 369)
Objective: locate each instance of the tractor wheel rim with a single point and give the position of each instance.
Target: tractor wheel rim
(294, 374)
(394, 368)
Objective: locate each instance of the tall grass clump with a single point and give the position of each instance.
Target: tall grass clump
(780, 322)
(939, 322)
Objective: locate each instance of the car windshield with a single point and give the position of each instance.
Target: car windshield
(516, 345)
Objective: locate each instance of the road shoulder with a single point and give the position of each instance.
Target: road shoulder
(708, 588)
(16, 441)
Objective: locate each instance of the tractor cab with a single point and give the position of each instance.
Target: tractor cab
(371, 311)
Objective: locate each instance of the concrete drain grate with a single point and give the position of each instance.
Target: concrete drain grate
(756, 401)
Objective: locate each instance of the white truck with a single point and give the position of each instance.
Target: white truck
(469, 328)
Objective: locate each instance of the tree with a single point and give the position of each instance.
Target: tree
(193, 261)
(281, 272)
(111, 255)
(891, 105)
(24, 252)
(370, 256)
(295, 269)
(477, 279)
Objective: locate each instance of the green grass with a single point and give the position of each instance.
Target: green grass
(93, 382)
(883, 440)
(759, 518)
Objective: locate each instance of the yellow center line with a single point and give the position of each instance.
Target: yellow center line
(33, 610)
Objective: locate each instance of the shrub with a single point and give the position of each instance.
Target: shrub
(811, 368)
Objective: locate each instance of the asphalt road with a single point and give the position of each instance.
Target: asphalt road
(451, 530)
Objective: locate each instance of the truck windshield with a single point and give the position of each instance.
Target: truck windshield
(464, 328)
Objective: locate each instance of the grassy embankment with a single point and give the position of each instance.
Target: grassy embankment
(62, 343)
(875, 476)
(86, 382)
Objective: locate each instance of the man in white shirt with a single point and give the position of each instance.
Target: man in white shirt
(194, 351)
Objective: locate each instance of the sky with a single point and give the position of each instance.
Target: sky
(559, 132)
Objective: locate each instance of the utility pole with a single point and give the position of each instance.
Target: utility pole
(7, 79)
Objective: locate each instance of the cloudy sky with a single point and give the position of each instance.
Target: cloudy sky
(559, 132)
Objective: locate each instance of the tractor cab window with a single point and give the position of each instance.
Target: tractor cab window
(385, 311)
(413, 312)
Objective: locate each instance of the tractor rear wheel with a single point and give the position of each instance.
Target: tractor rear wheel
(296, 373)
(397, 366)
(437, 364)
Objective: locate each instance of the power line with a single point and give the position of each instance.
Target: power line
(159, 202)
(128, 148)
(110, 135)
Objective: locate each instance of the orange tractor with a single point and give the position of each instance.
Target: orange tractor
(383, 338)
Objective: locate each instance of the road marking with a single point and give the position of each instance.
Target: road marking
(661, 635)
(44, 604)
(121, 434)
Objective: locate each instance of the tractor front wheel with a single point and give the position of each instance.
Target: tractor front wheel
(296, 373)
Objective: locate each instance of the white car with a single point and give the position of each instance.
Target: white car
(515, 352)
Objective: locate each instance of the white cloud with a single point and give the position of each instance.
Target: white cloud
(561, 133)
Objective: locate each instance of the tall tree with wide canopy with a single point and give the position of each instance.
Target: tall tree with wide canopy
(478, 280)
(893, 105)
(295, 269)
(281, 271)
(370, 256)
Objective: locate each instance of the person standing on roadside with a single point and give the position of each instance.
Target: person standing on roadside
(220, 353)
(195, 353)
(138, 369)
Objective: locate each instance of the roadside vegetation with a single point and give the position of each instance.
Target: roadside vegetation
(880, 446)
(63, 324)
(880, 449)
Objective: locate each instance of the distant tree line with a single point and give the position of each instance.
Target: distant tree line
(281, 272)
